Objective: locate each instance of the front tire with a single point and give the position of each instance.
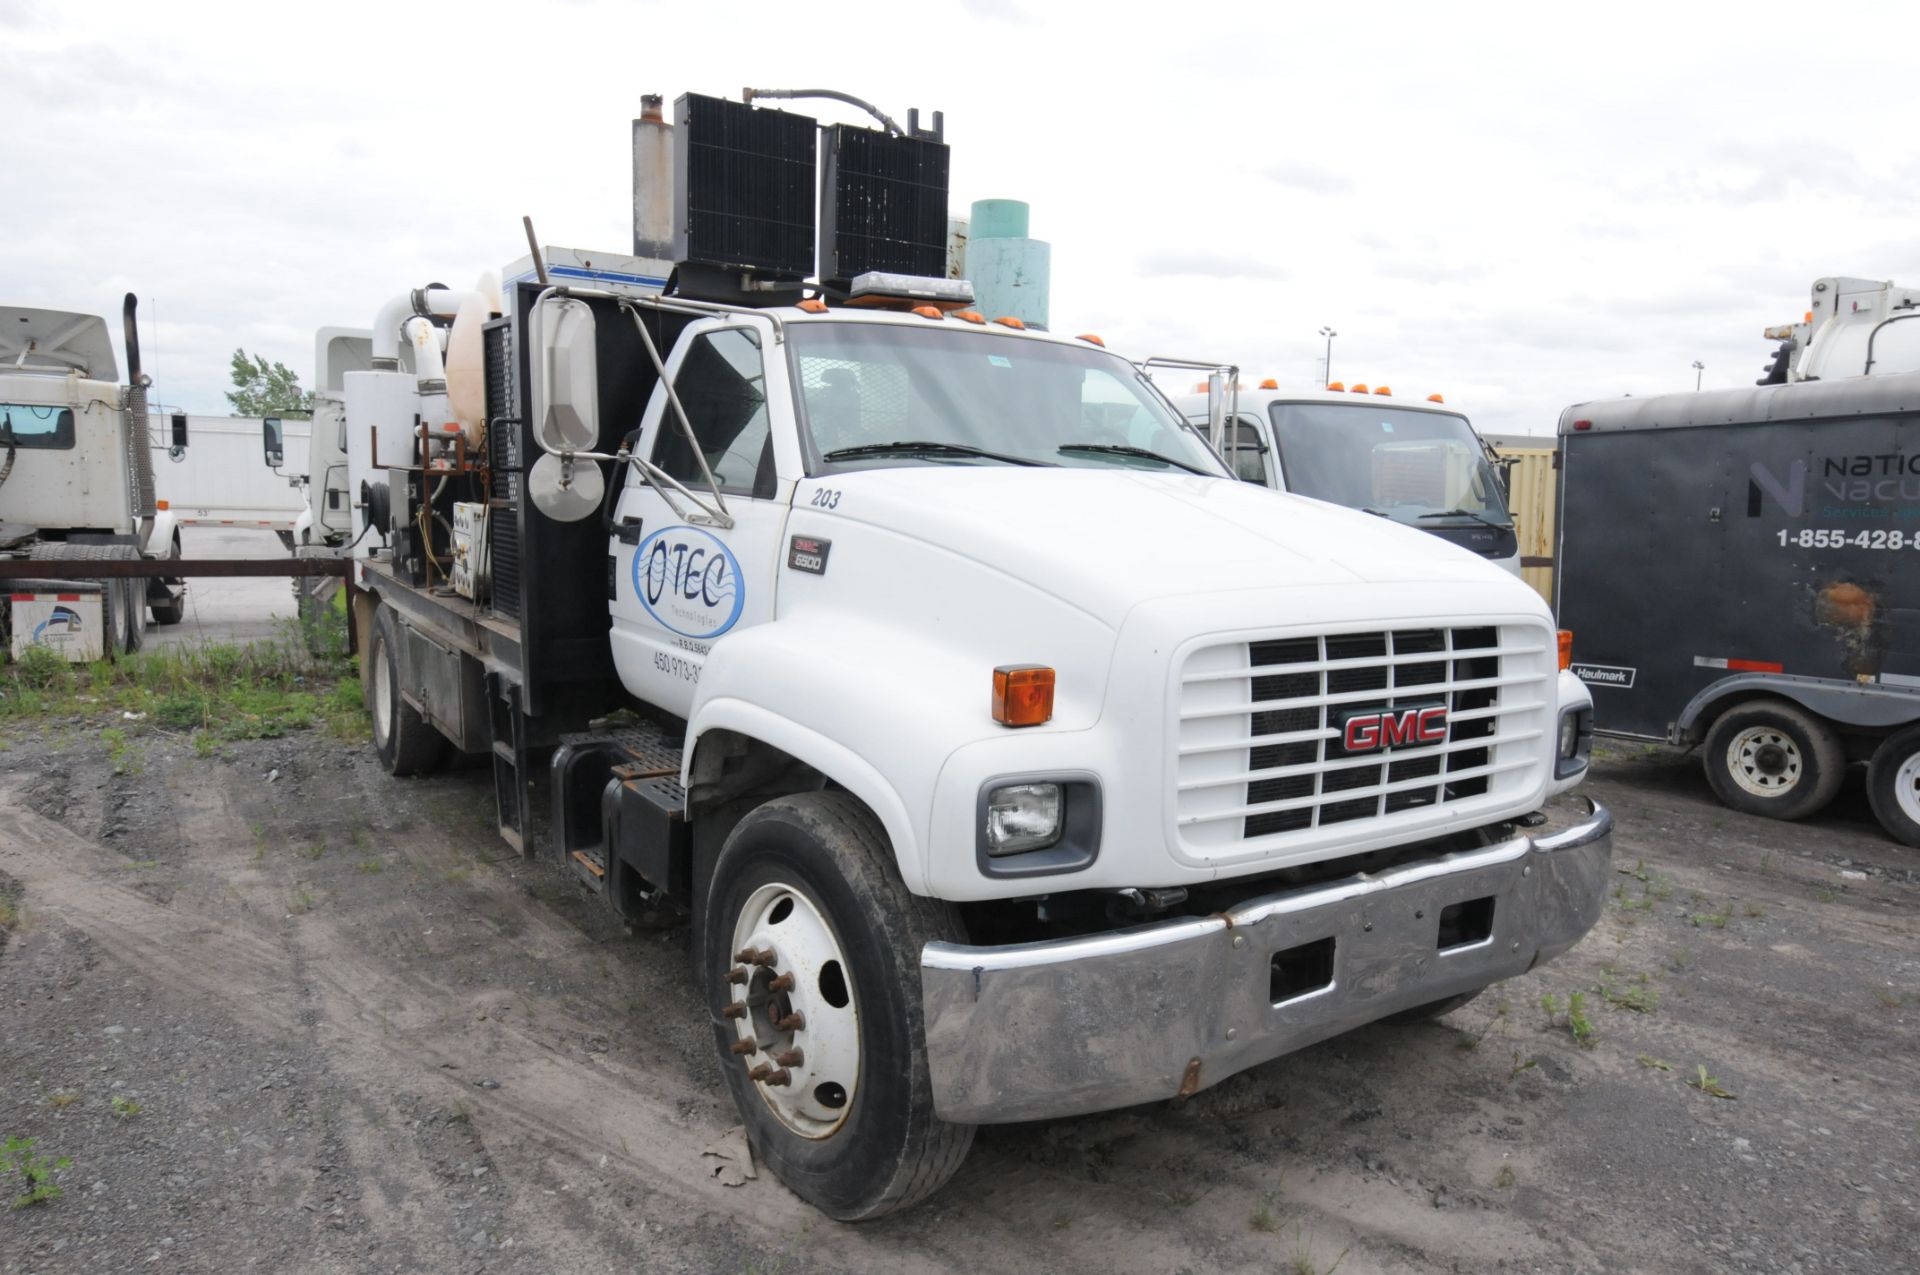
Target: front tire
(828, 1067)
(1893, 785)
(1772, 758)
(406, 742)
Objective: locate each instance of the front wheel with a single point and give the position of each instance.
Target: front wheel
(1772, 758)
(1893, 785)
(812, 966)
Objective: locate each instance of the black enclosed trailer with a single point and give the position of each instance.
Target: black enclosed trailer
(1741, 570)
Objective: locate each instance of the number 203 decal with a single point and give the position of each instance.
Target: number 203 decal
(825, 498)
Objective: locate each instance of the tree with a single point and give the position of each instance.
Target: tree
(266, 389)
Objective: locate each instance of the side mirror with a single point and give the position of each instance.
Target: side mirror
(179, 424)
(566, 377)
(270, 438)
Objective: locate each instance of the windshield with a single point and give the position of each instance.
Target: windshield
(870, 392)
(1387, 460)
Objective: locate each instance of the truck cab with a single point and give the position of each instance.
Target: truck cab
(1006, 756)
(1416, 462)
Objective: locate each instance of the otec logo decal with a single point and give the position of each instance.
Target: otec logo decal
(689, 581)
(1371, 731)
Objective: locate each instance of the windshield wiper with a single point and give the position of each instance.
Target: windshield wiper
(1466, 513)
(909, 447)
(1120, 449)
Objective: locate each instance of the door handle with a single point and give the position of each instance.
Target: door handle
(628, 529)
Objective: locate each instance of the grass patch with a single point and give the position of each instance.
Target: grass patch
(1641, 996)
(1708, 1085)
(1649, 1061)
(32, 1176)
(1505, 1179)
(219, 693)
(124, 1108)
(63, 1098)
(300, 903)
(370, 866)
(1264, 1219)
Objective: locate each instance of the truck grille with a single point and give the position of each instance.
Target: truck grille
(1263, 752)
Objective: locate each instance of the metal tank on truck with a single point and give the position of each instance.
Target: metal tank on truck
(1417, 462)
(77, 485)
(1007, 757)
(1742, 567)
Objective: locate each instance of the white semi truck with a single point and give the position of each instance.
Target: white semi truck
(1417, 462)
(1005, 765)
(77, 484)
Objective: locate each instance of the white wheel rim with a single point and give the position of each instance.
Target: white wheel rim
(1906, 787)
(1764, 761)
(808, 1074)
(382, 694)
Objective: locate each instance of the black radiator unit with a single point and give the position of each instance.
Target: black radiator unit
(883, 206)
(743, 188)
(503, 458)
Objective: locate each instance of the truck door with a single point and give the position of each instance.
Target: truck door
(681, 584)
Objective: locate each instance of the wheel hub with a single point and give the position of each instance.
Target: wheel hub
(796, 1030)
(1764, 761)
(1906, 787)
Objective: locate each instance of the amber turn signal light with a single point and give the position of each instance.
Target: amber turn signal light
(1269, 384)
(1022, 694)
(1566, 649)
(814, 305)
(1008, 321)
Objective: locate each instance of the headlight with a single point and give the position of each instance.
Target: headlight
(1022, 817)
(1573, 742)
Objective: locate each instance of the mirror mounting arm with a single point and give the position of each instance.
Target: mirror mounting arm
(718, 512)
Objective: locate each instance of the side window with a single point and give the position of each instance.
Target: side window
(722, 384)
(33, 425)
(1249, 461)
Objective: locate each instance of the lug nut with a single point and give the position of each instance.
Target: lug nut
(733, 1011)
(738, 974)
(761, 1072)
(754, 956)
(780, 1077)
(792, 1022)
(782, 983)
(791, 1058)
(745, 1046)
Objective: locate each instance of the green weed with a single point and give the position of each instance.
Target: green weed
(1648, 1060)
(1504, 1180)
(1707, 1084)
(125, 1108)
(18, 1159)
(370, 866)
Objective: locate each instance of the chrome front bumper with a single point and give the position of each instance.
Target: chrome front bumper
(1040, 1030)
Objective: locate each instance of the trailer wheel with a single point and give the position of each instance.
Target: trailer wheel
(811, 963)
(1893, 785)
(1768, 757)
(407, 743)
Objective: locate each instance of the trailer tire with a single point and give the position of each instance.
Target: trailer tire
(134, 604)
(1893, 785)
(406, 742)
(852, 1131)
(1768, 757)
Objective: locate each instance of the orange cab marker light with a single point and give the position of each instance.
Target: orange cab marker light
(1359, 387)
(1337, 386)
(814, 305)
(1091, 339)
(1269, 384)
(1435, 398)
(1809, 318)
(1386, 390)
(161, 505)
(1008, 321)
(1566, 649)
(970, 316)
(929, 312)
(1022, 694)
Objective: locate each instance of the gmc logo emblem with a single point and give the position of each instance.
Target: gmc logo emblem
(1374, 729)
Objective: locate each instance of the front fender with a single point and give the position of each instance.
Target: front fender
(867, 705)
(166, 525)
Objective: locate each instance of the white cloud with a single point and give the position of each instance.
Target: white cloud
(1521, 211)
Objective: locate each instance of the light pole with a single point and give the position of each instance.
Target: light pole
(1328, 333)
(1699, 370)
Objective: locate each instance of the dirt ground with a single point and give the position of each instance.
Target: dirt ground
(284, 1013)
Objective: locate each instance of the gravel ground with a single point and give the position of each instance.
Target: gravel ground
(282, 1012)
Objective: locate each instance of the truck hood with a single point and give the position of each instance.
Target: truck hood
(1106, 541)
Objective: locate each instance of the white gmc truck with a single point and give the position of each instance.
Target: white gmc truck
(1008, 757)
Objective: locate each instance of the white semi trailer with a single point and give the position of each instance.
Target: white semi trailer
(1004, 767)
(76, 481)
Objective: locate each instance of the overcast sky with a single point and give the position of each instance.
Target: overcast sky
(1522, 207)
